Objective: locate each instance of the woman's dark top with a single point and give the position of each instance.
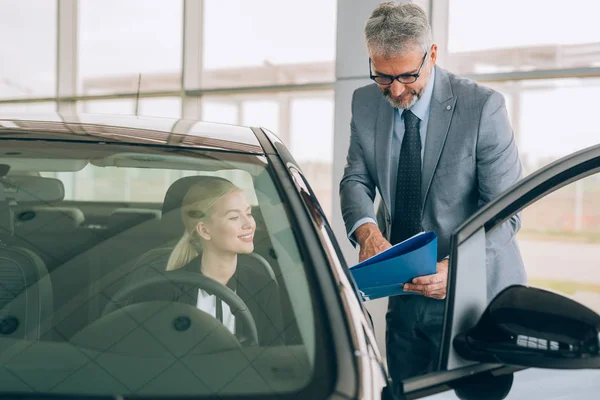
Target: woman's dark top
(252, 284)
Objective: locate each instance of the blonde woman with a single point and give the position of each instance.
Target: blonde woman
(218, 227)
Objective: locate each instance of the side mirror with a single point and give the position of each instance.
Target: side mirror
(531, 327)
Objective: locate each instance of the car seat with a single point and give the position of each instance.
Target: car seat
(26, 296)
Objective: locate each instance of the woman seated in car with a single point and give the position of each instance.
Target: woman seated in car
(219, 226)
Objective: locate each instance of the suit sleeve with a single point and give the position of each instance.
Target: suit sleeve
(498, 165)
(357, 189)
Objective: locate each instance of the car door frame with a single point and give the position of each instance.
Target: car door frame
(464, 308)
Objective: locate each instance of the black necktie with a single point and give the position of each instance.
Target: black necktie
(407, 210)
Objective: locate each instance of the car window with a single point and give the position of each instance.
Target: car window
(116, 275)
(111, 183)
(559, 241)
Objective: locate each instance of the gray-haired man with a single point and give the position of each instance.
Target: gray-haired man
(436, 147)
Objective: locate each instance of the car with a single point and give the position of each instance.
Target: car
(92, 209)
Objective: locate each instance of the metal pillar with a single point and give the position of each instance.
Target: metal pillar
(67, 56)
(193, 62)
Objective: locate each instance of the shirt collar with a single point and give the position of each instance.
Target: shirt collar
(421, 107)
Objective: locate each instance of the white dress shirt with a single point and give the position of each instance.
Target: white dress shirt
(208, 303)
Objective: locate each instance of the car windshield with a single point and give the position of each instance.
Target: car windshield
(152, 271)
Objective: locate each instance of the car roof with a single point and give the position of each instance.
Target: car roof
(131, 130)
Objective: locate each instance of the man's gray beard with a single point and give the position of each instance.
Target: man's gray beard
(395, 104)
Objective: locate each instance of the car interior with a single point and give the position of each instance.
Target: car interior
(65, 255)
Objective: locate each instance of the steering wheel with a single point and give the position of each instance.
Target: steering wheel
(238, 308)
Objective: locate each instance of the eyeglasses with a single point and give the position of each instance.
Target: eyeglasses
(404, 78)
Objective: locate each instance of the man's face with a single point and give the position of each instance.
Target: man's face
(401, 95)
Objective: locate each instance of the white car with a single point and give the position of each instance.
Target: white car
(90, 210)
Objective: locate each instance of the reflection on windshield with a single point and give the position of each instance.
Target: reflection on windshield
(150, 274)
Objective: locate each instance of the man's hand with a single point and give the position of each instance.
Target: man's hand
(433, 286)
(370, 240)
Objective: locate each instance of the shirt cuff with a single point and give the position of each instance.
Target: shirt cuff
(358, 223)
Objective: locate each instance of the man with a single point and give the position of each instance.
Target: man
(437, 147)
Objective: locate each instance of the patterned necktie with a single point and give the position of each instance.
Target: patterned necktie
(407, 210)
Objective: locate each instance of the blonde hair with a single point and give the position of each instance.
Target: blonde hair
(198, 205)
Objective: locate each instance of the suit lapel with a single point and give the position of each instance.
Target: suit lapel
(383, 147)
(440, 115)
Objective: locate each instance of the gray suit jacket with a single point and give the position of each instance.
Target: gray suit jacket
(470, 157)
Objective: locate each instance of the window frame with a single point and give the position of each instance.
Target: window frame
(340, 304)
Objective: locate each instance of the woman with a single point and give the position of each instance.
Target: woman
(218, 227)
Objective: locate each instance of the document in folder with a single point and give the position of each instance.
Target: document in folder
(384, 274)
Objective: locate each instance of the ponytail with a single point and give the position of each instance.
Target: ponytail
(183, 253)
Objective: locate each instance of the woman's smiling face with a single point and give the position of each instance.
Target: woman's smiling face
(230, 227)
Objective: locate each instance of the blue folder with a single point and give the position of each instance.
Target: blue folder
(384, 274)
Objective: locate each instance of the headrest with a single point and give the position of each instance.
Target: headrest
(34, 189)
(177, 191)
(171, 209)
(47, 218)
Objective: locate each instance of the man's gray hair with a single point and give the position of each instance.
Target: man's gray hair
(394, 29)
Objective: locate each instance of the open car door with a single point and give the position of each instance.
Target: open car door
(485, 341)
